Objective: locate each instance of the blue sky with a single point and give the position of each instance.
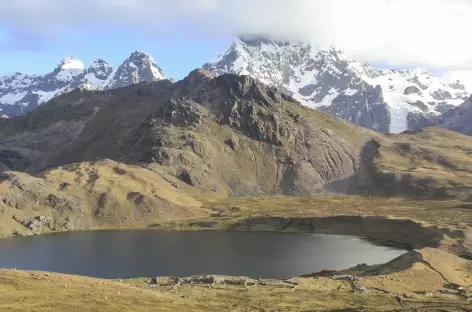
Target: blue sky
(182, 34)
(177, 56)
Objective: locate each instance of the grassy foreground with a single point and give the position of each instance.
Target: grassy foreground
(436, 276)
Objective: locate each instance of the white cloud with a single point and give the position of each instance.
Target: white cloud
(430, 33)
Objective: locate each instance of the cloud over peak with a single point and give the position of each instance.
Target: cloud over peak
(429, 33)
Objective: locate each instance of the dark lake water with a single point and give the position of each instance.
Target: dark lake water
(127, 254)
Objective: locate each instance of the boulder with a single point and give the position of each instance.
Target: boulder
(233, 142)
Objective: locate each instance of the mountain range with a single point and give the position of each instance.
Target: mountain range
(329, 79)
(386, 100)
(20, 93)
(159, 150)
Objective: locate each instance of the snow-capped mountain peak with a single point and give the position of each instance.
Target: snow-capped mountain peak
(20, 93)
(100, 67)
(71, 63)
(96, 76)
(138, 67)
(66, 71)
(140, 60)
(331, 80)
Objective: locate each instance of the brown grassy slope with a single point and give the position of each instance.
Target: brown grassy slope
(94, 195)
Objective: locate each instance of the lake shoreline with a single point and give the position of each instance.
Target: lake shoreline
(181, 253)
(426, 277)
(415, 280)
(389, 230)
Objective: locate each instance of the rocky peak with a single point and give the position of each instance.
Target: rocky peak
(20, 93)
(66, 71)
(333, 81)
(258, 41)
(100, 69)
(315, 77)
(196, 78)
(247, 88)
(138, 67)
(95, 77)
(71, 63)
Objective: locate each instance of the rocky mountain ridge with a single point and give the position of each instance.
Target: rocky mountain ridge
(329, 79)
(234, 136)
(20, 93)
(231, 134)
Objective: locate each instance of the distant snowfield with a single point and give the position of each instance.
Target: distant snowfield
(12, 98)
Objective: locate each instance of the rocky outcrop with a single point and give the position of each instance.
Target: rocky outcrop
(412, 90)
(366, 108)
(36, 224)
(190, 126)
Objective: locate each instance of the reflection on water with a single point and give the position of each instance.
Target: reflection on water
(126, 254)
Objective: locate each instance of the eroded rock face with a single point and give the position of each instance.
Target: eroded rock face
(180, 113)
(365, 108)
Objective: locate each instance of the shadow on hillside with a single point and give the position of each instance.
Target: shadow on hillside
(369, 180)
(401, 233)
(362, 182)
(398, 233)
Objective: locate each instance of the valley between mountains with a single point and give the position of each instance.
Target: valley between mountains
(230, 152)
